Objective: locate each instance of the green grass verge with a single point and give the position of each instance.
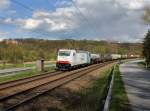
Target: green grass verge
(143, 65)
(120, 100)
(25, 74)
(7, 66)
(90, 98)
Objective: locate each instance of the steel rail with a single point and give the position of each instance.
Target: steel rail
(22, 91)
(63, 80)
(27, 79)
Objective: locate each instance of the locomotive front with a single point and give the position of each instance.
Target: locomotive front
(64, 59)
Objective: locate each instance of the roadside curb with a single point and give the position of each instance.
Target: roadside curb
(109, 95)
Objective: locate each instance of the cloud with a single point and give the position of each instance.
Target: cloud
(4, 4)
(29, 23)
(100, 20)
(61, 19)
(3, 35)
(62, 3)
(134, 4)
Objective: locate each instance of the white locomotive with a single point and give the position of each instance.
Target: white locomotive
(68, 59)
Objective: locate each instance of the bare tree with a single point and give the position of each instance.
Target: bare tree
(146, 15)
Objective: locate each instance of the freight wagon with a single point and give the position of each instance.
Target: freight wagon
(115, 56)
(96, 58)
(107, 57)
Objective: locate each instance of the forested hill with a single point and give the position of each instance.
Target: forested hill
(30, 49)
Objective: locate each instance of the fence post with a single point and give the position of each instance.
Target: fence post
(40, 65)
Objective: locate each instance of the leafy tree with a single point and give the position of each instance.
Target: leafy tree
(15, 54)
(121, 51)
(146, 48)
(3, 56)
(41, 54)
(31, 49)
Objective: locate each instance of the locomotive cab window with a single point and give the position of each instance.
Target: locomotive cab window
(64, 53)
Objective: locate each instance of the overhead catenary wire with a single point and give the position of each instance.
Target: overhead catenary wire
(51, 0)
(22, 5)
(74, 4)
(66, 17)
(30, 9)
(84, 17)
(1, 17)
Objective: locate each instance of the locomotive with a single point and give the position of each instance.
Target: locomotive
(68, 59)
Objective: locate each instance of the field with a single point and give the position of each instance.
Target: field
(7, 66)
(27, 64)
(25, 74)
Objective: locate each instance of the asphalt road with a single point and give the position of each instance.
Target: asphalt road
(137, 85)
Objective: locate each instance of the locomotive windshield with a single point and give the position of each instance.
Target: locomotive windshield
(64, 53)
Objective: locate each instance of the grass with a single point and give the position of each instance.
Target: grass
(120, 100)
(7, 66)
(143, 65)
(25, 74)
(90, 99)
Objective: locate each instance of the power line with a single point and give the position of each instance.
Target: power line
(1, 17)
(24, 6)
(66, 17)
(29, 9)
(79, 11)
(83, 16)
(51, 0)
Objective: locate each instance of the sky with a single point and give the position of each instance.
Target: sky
(111, 20)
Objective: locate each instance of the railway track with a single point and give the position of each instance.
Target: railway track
(16, 93)
(27, 79)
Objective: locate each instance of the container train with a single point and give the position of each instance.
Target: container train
(70, 59)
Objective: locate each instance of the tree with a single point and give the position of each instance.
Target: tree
(121, 51)
(41, 54)
(146, 15)
(3, 56)
(26, 50)
(146, 48)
